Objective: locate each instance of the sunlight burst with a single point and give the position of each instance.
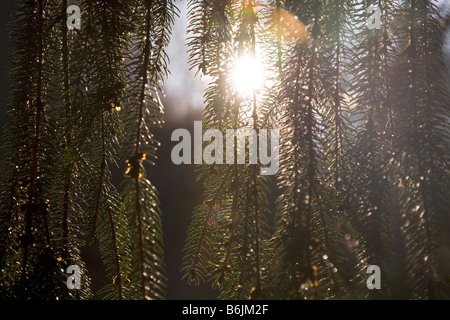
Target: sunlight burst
(248, 75)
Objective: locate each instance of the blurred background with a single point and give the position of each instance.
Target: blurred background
(178, 188)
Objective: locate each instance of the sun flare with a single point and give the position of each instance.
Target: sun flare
(248, 75)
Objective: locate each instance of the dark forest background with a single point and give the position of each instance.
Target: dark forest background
(178, 189)
(177, 186)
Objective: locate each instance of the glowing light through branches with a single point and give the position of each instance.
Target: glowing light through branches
(248, 75)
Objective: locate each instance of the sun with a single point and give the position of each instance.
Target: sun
(248, 74)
